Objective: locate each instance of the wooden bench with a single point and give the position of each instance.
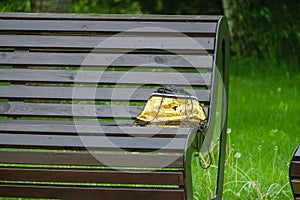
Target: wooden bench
(295, 173)
(71, 87)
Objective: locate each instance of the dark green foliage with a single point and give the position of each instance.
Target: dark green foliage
(14, 6)
(266, 29)
(105, 6)
(260, 29)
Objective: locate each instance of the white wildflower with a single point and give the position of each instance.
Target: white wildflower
(238, 155)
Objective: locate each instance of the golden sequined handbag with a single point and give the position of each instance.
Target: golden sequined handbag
(171, 107)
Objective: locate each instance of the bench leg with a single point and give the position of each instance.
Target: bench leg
(221, 165)
(188, 174)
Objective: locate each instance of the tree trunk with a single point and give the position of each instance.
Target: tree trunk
(228, 11)
(50, 6)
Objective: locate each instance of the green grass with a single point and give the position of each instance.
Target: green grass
(265, 128)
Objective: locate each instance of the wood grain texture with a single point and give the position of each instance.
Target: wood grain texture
(92, 176)
(107, 26)
(108, 17)
(97, 130)
(69, 192)
(86, 93)
(74, 59)
(105, 77)
(101, 159)
(108, 42)
(93, 142)
(70, 110)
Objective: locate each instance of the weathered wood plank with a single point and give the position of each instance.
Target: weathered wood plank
(70, 110)
(72, 129)
(107, 17)
(68, 192)
(92, 176)
(101, 159)
(107, 26)
(93, 142)
(105, 77)
(99, 94)
(107, 60)
(103, 43)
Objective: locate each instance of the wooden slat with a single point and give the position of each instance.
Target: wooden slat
(296, 186)
(107, 60)
(91, 176)
(117, 159)
(65, 122)
(70, 110)
(105, 77)
(107, 17)
(107, 26)
(72, 129)
(35, 191)
(101, 94)
(117, 43)
(93, 142)
(295, 168)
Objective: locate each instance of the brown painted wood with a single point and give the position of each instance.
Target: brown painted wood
(107, 26)
(150, 60)
(70, 110)
(295, 168)
(35, 191)
(92, 176)
(97, 130)
(93, 142)
(296, 186)
(101, 42)
(101, 94)
(82, 158)
(105, 77)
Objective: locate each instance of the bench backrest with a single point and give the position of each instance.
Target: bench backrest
(64, 74)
